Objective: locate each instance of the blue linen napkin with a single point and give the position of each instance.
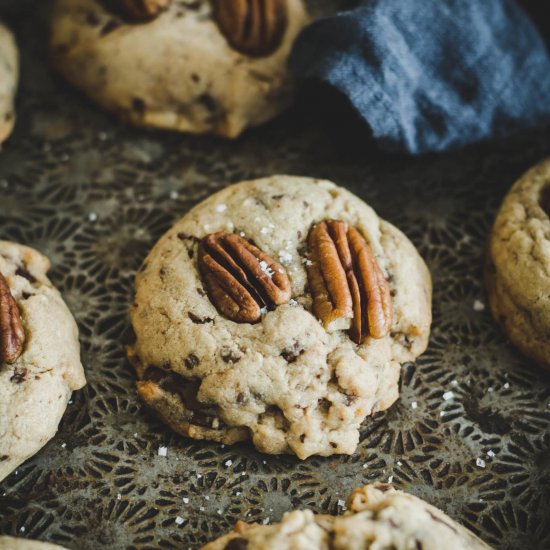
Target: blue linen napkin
(430, 75)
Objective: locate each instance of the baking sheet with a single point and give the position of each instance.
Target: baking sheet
(95, 195)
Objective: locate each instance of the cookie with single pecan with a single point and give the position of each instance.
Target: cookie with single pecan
(9, 76)
(199, 66)
(517, 268)
(278, 310)
(377, 516)
(39, 355)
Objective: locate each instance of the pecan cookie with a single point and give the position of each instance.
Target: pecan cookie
(518, 264)
(377, 516)
(9, 74)
(12, 543)
(39, 355)
(278, 310)
(200, 66)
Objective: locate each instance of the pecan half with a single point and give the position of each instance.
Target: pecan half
(348, 287)
(240, 279)
(137, 10)
(252, 27)
(12, 335)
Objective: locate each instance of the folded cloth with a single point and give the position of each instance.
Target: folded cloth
(429, 75)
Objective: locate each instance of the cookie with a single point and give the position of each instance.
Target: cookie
(199, 66)
(12, 543)
(9, 75)
(39, 355)
(377, 516)
(236, 336)
(518, 264)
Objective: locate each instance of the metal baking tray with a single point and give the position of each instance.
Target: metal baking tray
(95, 195)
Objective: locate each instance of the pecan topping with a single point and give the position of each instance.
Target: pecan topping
(252, 27)
(137, 10)
(12, 335)
(240, 279)
(348, 287)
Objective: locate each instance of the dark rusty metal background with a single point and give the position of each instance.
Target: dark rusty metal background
(95, 195)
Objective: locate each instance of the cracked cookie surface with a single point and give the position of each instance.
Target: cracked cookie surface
(177, 71)
(284, 382)
(9, 75)
(377, 516)
(35, 389)
(518, 264)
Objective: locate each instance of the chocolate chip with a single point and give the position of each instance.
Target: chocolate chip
(138, 105)
(199, 320)
(303, 438)
(230, 356)
(236, 544)
(195, 77)
(207, 101)
(350, 399)
(277, 197)
(291, 354)
(4, 457)
(92, 19)
(19, 374)
(333, 445)
(26, 295)
(240, 397)
(191, 361)
(109, 27)
(24, 272)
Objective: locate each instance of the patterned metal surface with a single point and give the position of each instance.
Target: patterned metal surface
(95, 196)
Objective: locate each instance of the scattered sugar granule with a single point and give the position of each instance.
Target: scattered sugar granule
(22, 529)
(490, 453)
(219, 512)
(285, 257)
(179, 520)
(292, 302)
(63, 445)
(163, 451)
(207, 497)
(490, 389)
(92, 216)
(454, 383)
(174, 195)
(263, 310)
(478, 305)
(185, 500)
(118, 496)
(221, 207)
(341, 502)
(506, 386)
(265, 268)
(264, 230)
(199, 476)
(238, 494)
(480, 462)
(414, 404)
(242, 233)
(448, 395)
(201, 508)
(442, 413)
(266, 520)
(399, 463)
(390, 479)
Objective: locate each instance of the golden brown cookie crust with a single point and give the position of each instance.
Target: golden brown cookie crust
(517, 266)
